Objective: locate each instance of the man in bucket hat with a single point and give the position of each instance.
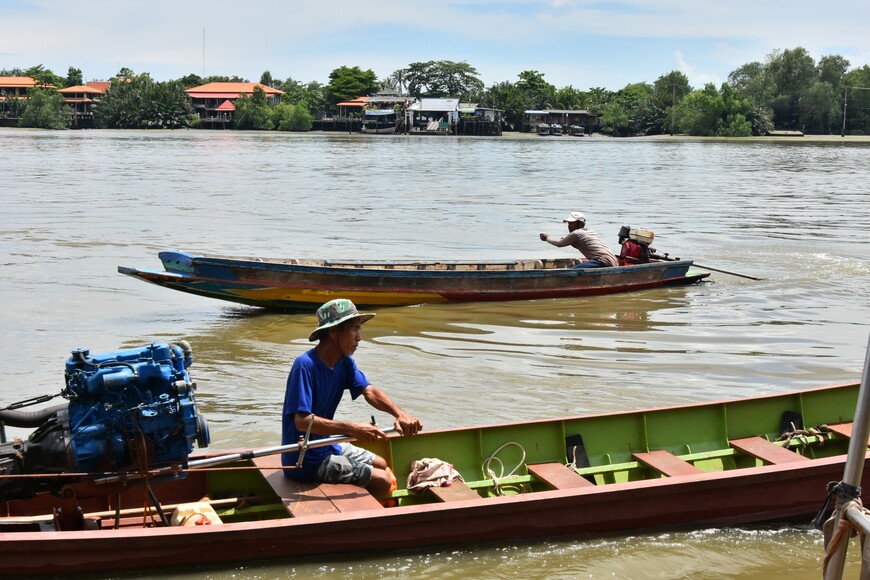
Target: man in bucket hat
(586, 240)
(315, 386)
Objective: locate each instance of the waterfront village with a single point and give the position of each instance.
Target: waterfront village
(383, 113)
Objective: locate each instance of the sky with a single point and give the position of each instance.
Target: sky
(578, 43)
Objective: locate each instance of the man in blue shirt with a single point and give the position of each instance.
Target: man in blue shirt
(315, 386)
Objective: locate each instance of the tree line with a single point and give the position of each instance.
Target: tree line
(789, 90)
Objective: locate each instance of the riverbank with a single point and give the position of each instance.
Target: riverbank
(691, 139)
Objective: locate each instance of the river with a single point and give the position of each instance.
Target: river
(77, 204)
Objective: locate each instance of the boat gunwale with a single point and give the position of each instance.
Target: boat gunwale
(326, 269)
(498, 503)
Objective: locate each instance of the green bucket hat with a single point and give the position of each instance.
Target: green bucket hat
(334, 313)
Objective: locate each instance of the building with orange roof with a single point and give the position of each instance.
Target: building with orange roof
(15, 88)
(209, 100)
(81, 99)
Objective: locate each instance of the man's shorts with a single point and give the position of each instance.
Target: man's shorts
(352, 465)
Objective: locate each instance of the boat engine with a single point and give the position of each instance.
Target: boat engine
(635, 244)
(128, 410)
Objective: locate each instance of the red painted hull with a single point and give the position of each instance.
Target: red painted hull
(711, 499)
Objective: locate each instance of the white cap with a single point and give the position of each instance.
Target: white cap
(576, 216)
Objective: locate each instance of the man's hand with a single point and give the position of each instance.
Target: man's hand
(407, 425)
(366, 432)
(544, 237)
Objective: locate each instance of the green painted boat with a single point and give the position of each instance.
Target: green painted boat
(734, 462)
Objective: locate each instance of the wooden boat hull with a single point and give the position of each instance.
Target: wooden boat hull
(303, 285)
(723, 485)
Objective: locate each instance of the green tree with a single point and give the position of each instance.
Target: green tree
(253, 112)
(288, 117)
(702, 112)
(266, 79)
(624, 113)
(538, 93)
(73, 78)
(507, 97)
(442, 79)
(347, 83)
(831, 69)
(739, 114)
(596, 98)
(570, 99)
(191, 80)
(43, 76)
(667, 91)
(792, 72)
(818, 108)
(45, 109)
(753, 81)
(857, 98)
(140, 102)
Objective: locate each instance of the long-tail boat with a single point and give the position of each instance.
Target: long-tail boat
(305, 284)
(735, 462)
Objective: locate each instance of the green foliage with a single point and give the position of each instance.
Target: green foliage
(347, 83)
(538, 93)
(507, 97)
(570, 99)
(442, 79)
(253, 112)
(786, 91)
(857, 101)
(43, 76)
(73, 78)
(190, 81)
(701, 113)
(139, 102)
(736, 126)
(223, 79)
(45, 109)
(287, 117)
(312, 95)
(625, 113)
(667, 92)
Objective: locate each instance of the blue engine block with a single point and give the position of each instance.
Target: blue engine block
(132, 408)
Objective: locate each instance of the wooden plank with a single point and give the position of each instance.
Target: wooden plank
(347, 497)
(300, 499)
(307, 499)
(766, 451)
(456, 491)
(558, 476)
(844, 430)
(667, 463)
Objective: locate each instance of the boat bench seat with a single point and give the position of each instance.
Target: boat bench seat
(667, 463)
(558, 476)
(308, 499)
(844, 430)
(766, 451)
(456, 491)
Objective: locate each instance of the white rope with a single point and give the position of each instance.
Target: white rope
(501, 475)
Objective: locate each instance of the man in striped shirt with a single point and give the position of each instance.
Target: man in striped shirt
(586, 240)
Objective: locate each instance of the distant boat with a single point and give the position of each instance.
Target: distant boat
(305, 284)
(576, 130)
(556, 129)
(379, 122)
(543, 129)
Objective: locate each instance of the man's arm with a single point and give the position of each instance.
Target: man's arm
(561, 243)
(362, 431)
(405, 424)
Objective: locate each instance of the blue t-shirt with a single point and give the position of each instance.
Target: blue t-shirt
(313, 387)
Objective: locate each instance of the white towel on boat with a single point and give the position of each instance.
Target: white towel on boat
(431, 472)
